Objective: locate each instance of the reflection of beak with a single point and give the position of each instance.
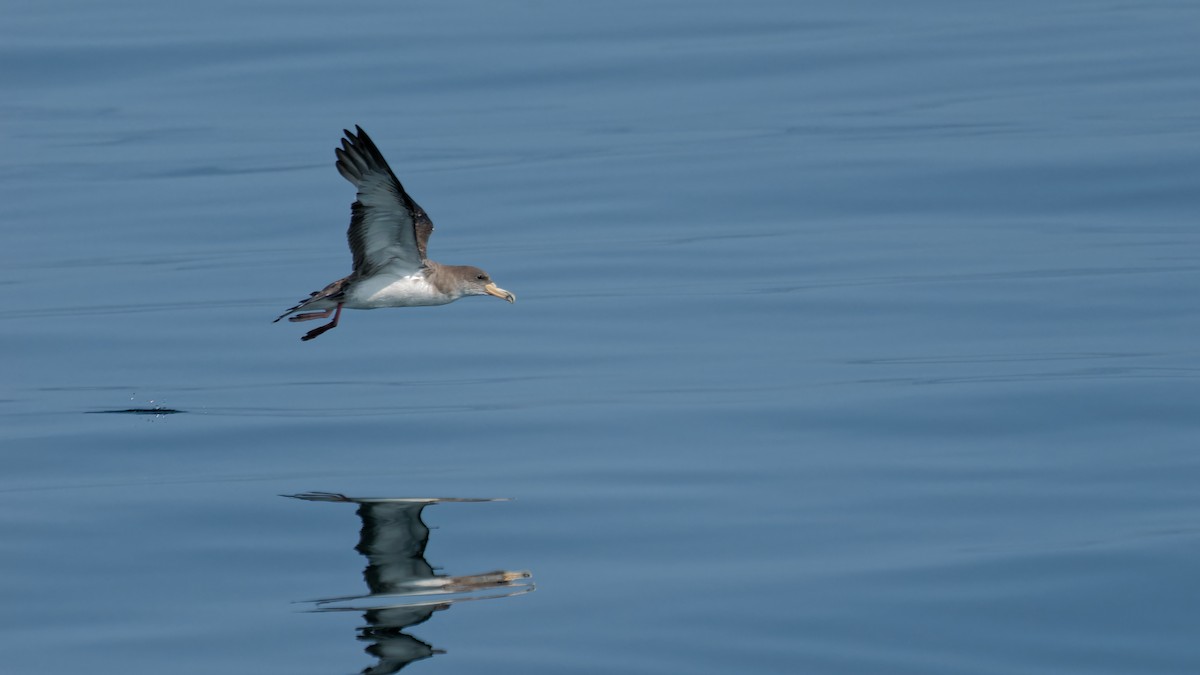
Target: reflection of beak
(493, 289)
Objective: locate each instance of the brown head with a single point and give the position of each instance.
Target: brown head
(470, 280)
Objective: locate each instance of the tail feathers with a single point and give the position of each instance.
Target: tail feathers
(333, 293)
(296, 308)
(290, 311)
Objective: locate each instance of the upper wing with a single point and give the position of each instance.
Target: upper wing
(387, 228)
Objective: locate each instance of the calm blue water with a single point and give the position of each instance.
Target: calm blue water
(851, 337)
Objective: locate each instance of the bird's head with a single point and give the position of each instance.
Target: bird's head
(479, 283)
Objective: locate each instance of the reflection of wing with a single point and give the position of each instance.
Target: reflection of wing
(395, 651)
(389, 619)
(393, 540)
(392, 529)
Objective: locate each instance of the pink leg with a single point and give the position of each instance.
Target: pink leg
(321, 329)
(309, 316)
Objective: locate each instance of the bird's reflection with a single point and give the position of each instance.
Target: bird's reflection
(403, 589)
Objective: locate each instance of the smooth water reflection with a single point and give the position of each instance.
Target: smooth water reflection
(393, 540)
(854, 337)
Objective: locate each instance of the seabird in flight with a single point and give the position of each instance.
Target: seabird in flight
(388, 235)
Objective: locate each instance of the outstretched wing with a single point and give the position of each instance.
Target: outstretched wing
(387, 228)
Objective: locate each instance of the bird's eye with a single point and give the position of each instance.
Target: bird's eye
(482, 277)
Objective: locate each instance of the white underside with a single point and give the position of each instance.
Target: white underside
(384, 290)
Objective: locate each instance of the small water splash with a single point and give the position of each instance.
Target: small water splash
(152, 408)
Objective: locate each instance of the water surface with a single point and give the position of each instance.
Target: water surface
(850, 338)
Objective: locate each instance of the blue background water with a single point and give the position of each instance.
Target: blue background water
(851, 337)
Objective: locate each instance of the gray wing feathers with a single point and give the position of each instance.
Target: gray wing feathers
(387, 228)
